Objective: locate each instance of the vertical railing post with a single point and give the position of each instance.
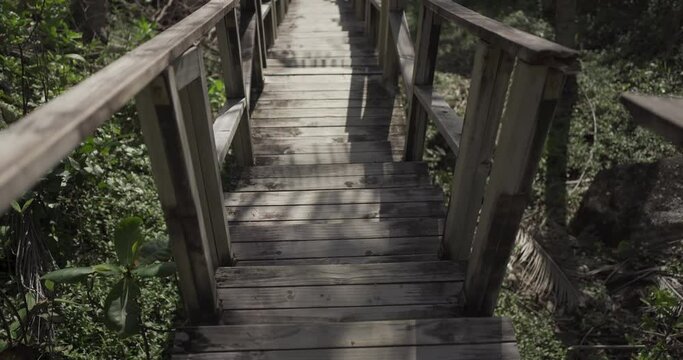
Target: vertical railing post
(387, 47)
(426, 49)
(175, 175)
(533, 96)
(359, 9)
(270, 27)
(233, 77)
(488, 87)
(263, 46)
(257, 79)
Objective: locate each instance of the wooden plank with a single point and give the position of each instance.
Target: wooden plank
(339, 103)
(307, 142)
(353, 133)
(225, 126)
(230, 51)
(404, 47)
(332, 183)
(533, 96)
(344, 335)
(294, 147)
(329, 61)
(339, 314)
(497, 351)
(309, 275)
(374, 92)
(661, 114)
(530, 48)
(445, 118)
(336, 211)
(281, 113)
(402, 168)
(420, 227)
(196, 114)
(343, 260)
(487, 94)
(328, 249)
(166, 139)
(423, 74)
(356, 72)
(330, 158)
(317, 53)
(350, 87)
(33, 145)
(340, 295)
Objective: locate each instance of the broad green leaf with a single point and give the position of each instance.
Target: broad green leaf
(127, 239)
(107, 269)
(155, 270)
(50, 285)
(75, 57)
(68, 275)
(122, 308)
(15, 206)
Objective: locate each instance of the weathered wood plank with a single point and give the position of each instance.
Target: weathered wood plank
(295, 147)
(225, 127)
(28, 153)
(661, 114)
(303, 171)
(487, 94)
(423, 74)
(343, 260)
(335, 211)
(353, 133)
(448, 122)
(331, 158)
(309, 275)
(329, 249)
(424, 227)
(534, 94)
(324, 112)
(340, 295)
(332, 182)
(344, 335)
(339, 103)
(530, 48)
(339, 314)
(492, 351)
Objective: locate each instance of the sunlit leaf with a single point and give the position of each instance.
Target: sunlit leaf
(68, 275)
(122, 308)
(156, 270)
(127, 239)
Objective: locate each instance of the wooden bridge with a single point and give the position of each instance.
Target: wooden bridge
(331, 241)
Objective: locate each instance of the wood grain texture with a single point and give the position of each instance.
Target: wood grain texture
(660, 114)
(530, 48)
(36, 143)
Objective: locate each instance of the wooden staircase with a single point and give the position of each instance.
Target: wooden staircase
(337, 241)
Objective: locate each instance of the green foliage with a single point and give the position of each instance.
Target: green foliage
(121, 306)
(661, 326)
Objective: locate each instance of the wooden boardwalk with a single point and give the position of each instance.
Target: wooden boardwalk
(336, 240)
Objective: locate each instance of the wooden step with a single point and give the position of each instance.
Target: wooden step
(420, 339)
(303, 171)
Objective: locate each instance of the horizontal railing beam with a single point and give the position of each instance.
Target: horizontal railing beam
(661, 114)
(530, 48)
(32, 146)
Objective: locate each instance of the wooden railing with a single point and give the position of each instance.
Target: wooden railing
(516, 83)
(662, 115)
(166, 76)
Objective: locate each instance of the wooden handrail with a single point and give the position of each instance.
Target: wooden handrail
(32, 146)
(530, 48)
(167, 78)
(488, 195)
(661, 114)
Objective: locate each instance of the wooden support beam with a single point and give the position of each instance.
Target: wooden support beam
(359, 9)
(533, 97)
(400, 51)
(662, 115)
(488, 87)
(428, 34)
(235, 88)
(174, 173)
(194, 103)
(261, 33)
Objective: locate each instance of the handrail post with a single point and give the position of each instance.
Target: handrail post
(233, 78)
(426, 50)
(488, 87)
(359, 9)
(388, 55)
(261, 34)
(257, 79)
(175, 175)
(533, 96)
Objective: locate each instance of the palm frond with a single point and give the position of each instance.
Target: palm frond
(541, 273)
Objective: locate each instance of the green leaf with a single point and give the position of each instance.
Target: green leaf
(15, 206)
(50, 285)
(68, 275)
(26, 205)
(107, 269)
(155, 270)
(122, 307)
(127, 239)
